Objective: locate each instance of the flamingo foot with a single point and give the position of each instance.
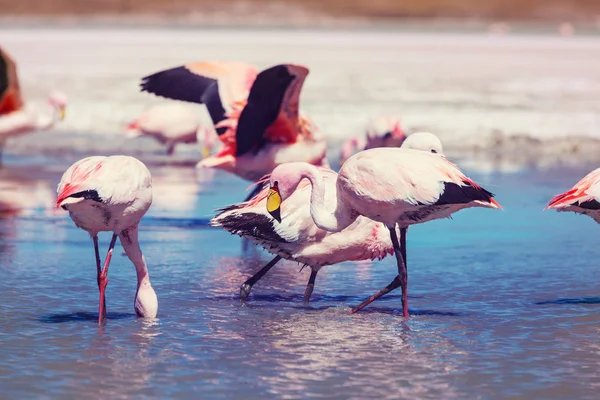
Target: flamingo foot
(247, 286)
(245, 291)
(393, 285)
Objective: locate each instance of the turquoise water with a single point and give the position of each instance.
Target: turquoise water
(503, 304)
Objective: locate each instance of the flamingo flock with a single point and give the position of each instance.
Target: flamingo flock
(300, 209)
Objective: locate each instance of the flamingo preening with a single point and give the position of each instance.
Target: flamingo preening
(296, 237)
(397, 186)
(16, 117)
(172, 123)
(583, 198)
(111, 194)
(255, 114)
(381, 132)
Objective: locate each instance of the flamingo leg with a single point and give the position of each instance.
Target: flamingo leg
(98, 262)
(399, 281)
(311, 286)
(170, 148)
(247, 286)
(103, 280)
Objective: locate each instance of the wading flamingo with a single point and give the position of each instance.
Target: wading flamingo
(255, 114)
(16, 118)
(172, 123)
(583, 198)
(297, 237)
(111, 194)
(380, 132)
(396, 186)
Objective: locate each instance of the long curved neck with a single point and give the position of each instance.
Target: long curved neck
(48, 118)
(129, 241)
(330, 220)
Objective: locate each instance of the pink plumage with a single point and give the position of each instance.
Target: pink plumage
(583, 198)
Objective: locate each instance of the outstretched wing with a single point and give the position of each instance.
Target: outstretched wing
(271, 113)
(218, 85)
(10, 92)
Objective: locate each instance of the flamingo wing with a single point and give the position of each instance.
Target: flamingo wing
(585, 194)
(271, 113)
(10, 92)
(73, 182)
(218, 85)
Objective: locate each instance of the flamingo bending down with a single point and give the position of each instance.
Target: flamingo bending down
(380, 132)
(255, 114)
(583, 198)
(112, 194)
(296, 237)
(16, 118)
(396, 186)
(172, 123)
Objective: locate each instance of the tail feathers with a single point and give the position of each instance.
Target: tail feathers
(467, 193)
(252, 226)
(564, 199)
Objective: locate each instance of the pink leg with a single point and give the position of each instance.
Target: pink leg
(103, 280)
(98, 261)
(311, 285)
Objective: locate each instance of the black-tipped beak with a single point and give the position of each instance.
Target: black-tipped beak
(276, 214)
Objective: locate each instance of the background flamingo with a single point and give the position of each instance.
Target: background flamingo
(380, 132)
(296, 237)
(171, 123)
(17, 118)
(255, 114)
(111, 194)
(583, 198)
(396, 186)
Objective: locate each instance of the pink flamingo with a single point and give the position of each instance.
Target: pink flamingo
(396, 186)
(255, 114)
(296, 237)
(380, 132)
(111, 194)
(172, 123)
(583, 198)
(17, 118)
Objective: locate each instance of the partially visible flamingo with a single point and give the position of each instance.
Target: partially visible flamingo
(112, 194)
(396, 186)
(16, 118)
(296, 237)
(583, 198)
(172, 123)
(255, 114)
(381, 132)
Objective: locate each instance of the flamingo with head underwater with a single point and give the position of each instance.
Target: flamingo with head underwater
(383, 131)
(396, 186)
(296, 237)
(17, 118)
(255, 114)
(111, 194)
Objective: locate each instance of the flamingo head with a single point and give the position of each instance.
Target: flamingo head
(146, 302)
(58, 100)
(384, 132)
(208, 137)
(424, 141)
(284, 180)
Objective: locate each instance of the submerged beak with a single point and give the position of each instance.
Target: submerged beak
(274, 202)
(62, 113)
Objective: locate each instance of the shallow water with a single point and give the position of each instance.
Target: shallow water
(503, 304)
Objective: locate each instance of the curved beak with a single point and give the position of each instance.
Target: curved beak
(274, 202)
(62, 113)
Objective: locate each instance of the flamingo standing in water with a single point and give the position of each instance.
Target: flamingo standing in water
(112, 194)
(16, 118)
(583, 198)
(255, 114)
(172, 123)
(380, 132)
(396, 186)
(296, 237)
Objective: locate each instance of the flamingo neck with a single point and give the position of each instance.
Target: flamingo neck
(330, 220)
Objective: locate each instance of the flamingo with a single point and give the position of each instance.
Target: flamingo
(397, 186)
(111, 194)
(172, 123)
(16, 118)
(297, 237)
(381, 132)
(583, 198)
(255, 114)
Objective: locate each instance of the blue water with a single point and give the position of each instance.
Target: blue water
(504, 304)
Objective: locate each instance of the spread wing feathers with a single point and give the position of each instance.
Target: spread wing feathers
(271, 112)
(10, 91)
(585, 194)
(218, 85)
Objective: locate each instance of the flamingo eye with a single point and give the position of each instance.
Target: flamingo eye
(433, 151)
